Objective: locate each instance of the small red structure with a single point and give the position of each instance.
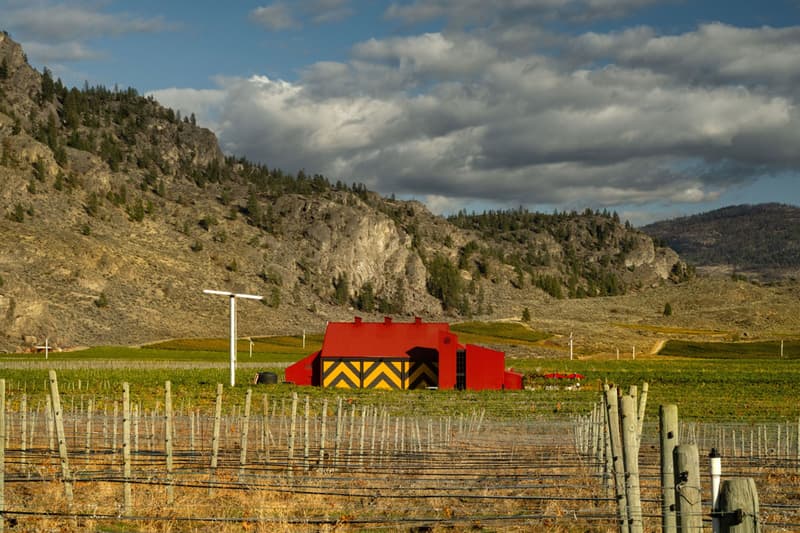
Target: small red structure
(389, 355)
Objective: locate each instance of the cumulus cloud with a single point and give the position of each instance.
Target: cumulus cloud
(502, 106)
(471, 11)
(59, 23)
(714, 54)
(56, 53)
(482, 115)
(277, 16)
(283, 16)
(55, 32)
(204, 103)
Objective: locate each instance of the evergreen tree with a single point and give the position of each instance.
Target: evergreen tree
(253, 208)
(48, 87)
(444, 282)
(341, 288)
(366, 297)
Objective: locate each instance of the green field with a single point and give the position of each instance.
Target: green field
(713, 382)
(732, 350)
(511, 333)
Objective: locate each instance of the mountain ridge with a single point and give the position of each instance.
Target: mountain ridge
(752, 240)
(117, 212)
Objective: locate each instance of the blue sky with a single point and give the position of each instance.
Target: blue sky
(651, 108)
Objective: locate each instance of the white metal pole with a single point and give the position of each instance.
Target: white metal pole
(716, 475)
(232, 296)
(233, 340)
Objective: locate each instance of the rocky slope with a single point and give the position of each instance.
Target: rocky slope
(116, 213)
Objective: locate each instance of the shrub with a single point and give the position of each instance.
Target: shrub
(101, 301)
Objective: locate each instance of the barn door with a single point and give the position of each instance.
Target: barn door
(461, 369)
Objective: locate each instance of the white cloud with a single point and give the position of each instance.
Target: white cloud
(58, 32)
(454, 117)
(55, 53)
(714, 54)
(277, 16)
(471, 11)
(59, 23)
(204, 103)
(284, 16)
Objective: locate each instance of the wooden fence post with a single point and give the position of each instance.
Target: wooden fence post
(114, 432)
(215, 437)
(126, 448)
(596, 438)
(292, 430)
(23, 426)
(668, 429)
(630, 451)
(2, 452)
(62, 437)
(612, 419)
(323, 433)
(738, 506)
(135, 415)
(245, 430)
(89, 414)
(51, 426)
(338, 435)
(168, 431)
(641, 410)
(688, 497)
(361, 440)
(265, 430)
(352, 433)
(306, 436)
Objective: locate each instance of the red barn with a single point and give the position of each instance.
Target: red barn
(410, 355)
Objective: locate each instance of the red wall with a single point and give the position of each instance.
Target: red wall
(513, 380)
(447, 360)
(302, 372)
(484, 368)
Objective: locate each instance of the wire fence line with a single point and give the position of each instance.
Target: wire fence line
(352, 465)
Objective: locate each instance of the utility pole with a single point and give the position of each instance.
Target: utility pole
(233, 296)
(570, 346)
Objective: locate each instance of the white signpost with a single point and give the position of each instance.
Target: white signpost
(233, 296)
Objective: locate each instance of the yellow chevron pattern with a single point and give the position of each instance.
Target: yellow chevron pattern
(365, 374)
(341, 374)
(423, 374)
(381, 374)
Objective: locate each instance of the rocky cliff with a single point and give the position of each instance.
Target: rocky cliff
(116, 213)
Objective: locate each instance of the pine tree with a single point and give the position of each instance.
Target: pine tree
(48, 88)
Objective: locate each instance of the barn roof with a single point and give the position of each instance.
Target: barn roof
(381, 339)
